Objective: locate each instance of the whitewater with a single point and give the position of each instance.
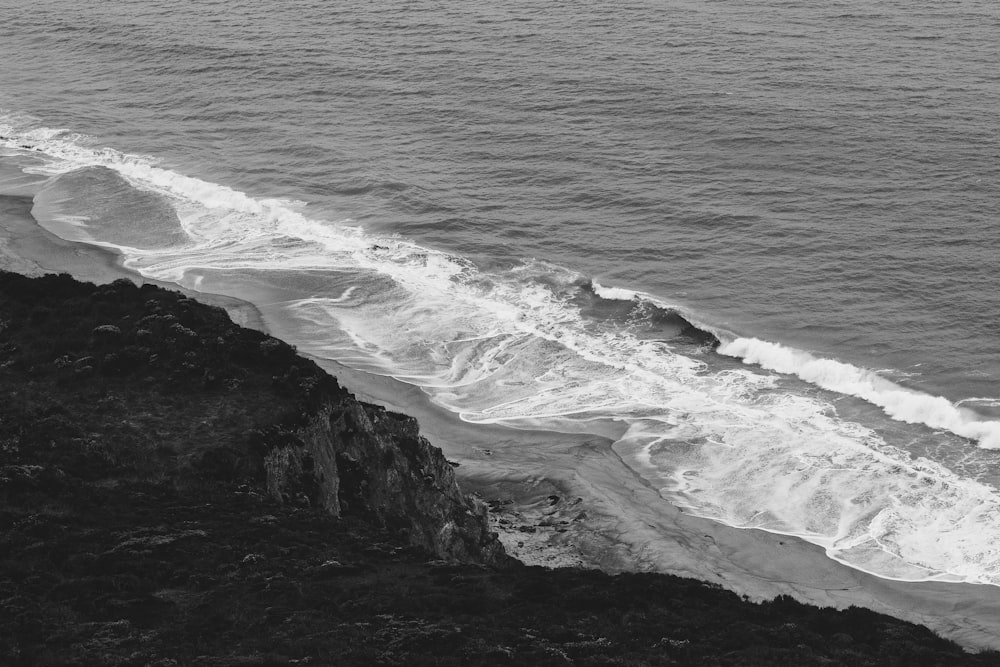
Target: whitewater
(743, 431)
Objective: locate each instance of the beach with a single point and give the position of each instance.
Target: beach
(627, 526)
(27, 248)
(564, 499)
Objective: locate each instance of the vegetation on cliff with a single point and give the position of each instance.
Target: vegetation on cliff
(143, 388)
(177, 490)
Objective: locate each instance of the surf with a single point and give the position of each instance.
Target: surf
(708, 417)
(900, 403)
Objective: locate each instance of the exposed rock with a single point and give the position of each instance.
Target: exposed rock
(357, 458)
(291, 428)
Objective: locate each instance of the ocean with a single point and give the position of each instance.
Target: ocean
(755, 243)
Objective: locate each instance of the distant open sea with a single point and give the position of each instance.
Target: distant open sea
(756, 240)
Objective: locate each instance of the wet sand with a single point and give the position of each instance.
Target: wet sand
(568, 499)
(555, 478)
(27, 248)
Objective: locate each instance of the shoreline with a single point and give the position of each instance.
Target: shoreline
(572, 501)
(27, 248)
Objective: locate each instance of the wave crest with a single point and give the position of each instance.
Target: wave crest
(900, 403)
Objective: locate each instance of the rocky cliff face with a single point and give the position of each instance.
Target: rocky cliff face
(357, 458)
(153, 386)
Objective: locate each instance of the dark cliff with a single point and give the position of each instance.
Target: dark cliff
(355, 458)
(207, 407)
(177, 490)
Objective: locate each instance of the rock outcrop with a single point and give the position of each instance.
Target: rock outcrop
(249, 413)
(356, 458)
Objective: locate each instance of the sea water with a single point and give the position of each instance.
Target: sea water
(758, 239)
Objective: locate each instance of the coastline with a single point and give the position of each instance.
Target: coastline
(27, 248)
(603, 515)
(627, 526)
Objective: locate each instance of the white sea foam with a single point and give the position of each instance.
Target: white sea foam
(903, 404)
(511, 347)
(617, 293)
(985, 401)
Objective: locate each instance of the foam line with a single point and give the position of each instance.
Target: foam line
(900, 403)
(615, 293)
(516, 347)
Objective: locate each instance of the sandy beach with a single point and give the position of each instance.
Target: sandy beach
(27, 248)
(568, 499)
(587, 507)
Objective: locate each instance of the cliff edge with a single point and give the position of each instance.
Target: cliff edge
(203, 407)
(177, 490)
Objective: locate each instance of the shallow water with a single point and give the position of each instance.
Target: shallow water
(758, 238)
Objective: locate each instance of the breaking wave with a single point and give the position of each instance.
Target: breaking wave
(540, 345)
(900, 403)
